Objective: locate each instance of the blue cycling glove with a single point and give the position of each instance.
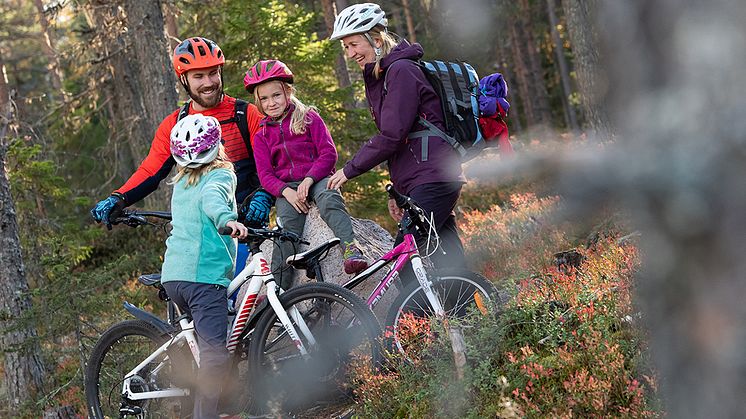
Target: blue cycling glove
(107, 209)
(256, 212)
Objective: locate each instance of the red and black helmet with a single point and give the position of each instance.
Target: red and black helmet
(197, 53)
(264, 71)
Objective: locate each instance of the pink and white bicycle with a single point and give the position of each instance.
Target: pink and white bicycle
(292, 348)
(447, 294)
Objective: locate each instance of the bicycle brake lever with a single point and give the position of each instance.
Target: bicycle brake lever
(137, 220)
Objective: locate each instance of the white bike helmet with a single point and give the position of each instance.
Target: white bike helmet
(195, 140)
(358, 18)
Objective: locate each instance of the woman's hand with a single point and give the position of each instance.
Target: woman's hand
(292, 196)
(304, 187)
(336, 180)
(396, 212)
(239, 230)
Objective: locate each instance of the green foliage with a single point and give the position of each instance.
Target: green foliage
(77, 277)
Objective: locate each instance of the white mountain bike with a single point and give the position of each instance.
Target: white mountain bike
(288, 350)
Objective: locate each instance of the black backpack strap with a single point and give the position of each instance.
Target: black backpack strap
(239, 117)
(239, 114)
(184, 111)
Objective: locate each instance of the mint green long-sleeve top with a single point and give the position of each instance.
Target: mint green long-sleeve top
(195, 252)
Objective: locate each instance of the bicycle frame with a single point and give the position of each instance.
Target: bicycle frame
(399, 255)
(257, 272)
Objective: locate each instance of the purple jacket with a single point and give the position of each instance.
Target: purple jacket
(282, 156)
(408, 96)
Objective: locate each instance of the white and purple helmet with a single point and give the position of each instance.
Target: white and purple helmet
(195, 140)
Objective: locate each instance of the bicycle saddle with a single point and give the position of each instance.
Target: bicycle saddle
(309, 258)
(151, 280)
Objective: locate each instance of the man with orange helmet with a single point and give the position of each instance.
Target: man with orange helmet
(198, 63)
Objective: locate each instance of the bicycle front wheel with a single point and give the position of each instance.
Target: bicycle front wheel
(346, 335)
(462, 293)
(119, 350)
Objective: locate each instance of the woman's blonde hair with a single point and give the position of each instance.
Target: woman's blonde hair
(195, 174)
(299, 120)
(388, 42)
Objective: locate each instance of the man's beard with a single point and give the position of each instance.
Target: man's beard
(210, 102)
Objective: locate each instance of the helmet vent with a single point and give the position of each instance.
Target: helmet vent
(201, 50)
(184, 60)
(363, 23)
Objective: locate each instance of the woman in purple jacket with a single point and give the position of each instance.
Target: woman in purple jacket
(427, 169)
(295, 155)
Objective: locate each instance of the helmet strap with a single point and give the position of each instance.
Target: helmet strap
(376, 50)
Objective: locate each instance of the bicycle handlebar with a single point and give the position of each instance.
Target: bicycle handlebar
(416, 214)
(134, 218)
(401, 200)
(265, 234)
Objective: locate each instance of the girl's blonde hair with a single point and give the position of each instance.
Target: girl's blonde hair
(299, 120)
(388, 42)
(195, 174)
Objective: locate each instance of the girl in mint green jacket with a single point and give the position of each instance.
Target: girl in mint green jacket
(199, 262)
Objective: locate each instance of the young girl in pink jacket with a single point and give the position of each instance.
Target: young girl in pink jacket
(295, 155)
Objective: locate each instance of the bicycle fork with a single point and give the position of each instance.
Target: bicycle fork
(427, 286)
(458, 345)
(287, 324)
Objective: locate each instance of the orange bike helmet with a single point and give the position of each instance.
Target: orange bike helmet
(194, 53)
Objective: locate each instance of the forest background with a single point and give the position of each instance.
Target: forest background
(85, 83)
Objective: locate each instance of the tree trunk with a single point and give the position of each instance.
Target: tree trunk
(340, 64)
(522, 77)
(570, 117)
(410, 22)
(505, 66)
(53, 63)
(584, 41)
(23, 372)
(537, 86)
(172, 29)
(142, 83)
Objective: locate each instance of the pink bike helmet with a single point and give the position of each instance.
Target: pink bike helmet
(264, 71)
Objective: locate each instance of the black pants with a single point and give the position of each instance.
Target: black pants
(439, 199)
(208, 306)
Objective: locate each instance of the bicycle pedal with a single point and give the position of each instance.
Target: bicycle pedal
(130, 411)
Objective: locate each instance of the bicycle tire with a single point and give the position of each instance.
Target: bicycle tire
(456, 288)
(347, 334)
(108, 364)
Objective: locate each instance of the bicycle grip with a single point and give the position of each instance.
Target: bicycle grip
(225, 231)
(400, 199)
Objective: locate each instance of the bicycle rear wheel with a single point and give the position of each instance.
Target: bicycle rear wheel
(119, 350)
(346, 334)
(463, 294)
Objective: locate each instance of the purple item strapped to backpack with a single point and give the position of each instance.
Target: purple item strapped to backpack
(494, 90)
